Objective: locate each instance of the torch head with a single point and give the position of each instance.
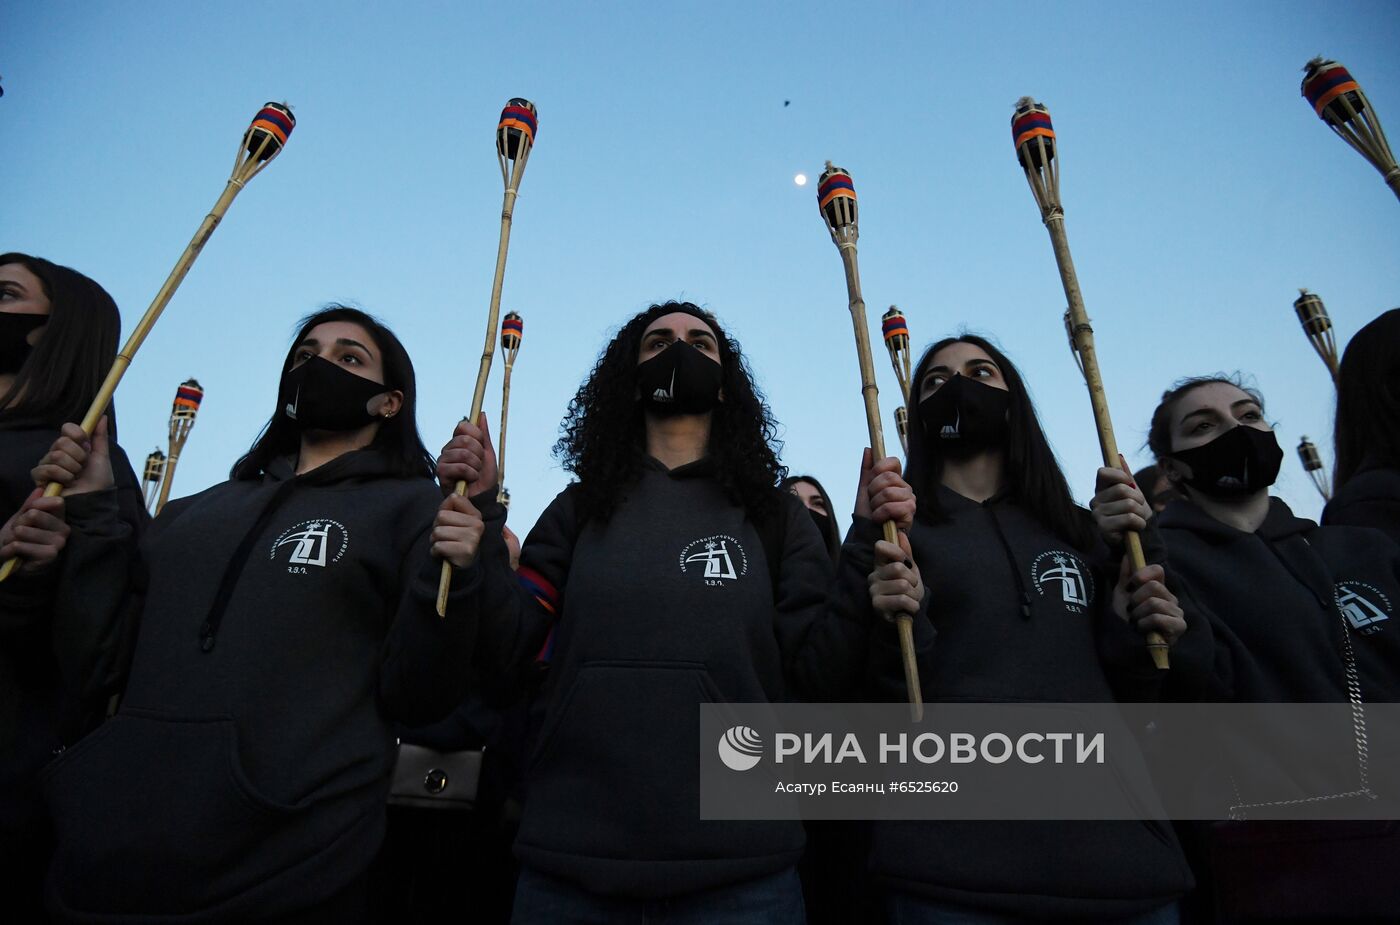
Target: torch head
(187, 399)
(512, 331)
(1030, 121)
(519, 122)
(1312, 314)
(271, 128)
(1307, 452)
(155, 466)
(1328, 86)
(896, 330)
(836, 197)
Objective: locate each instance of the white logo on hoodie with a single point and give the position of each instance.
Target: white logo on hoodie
(1068, 571)
(719, 554)
(312, 543)
(1364, 611)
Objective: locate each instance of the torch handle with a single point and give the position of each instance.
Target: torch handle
(871, 394)
(505, 418)
(1083, 339)
(489, 350)
(166, 483)
(177, 444)
(143, 327)
(1328, 352)
(1392, 180)
(869, 391)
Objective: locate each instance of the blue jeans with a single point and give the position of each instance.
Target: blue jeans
(773, 900)
(916, 910)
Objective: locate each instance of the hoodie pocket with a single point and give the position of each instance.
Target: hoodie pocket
(155, 816)
(617, 771)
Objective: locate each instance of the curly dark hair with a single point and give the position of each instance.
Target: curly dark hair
(604, 431)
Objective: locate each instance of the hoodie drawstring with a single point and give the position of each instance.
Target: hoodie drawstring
(210, 628)
(1011, 560)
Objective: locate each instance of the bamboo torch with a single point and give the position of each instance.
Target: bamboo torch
(262, 141)
(182, 414)
(1339, 101)
(1312, 315)
(1034, 137)
(512, 333)
(150, 479)
(836, 196)
(1312, 464)
(896, 331)
(515, 138)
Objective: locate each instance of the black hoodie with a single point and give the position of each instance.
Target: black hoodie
(49, 690)
(1019, 615)
(1276, 601)
(285, 622)
(1370, 498)
(1279, 611)
(668, 604)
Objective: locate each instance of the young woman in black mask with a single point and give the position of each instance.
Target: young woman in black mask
(818, 504)
(286, 618)
(1026, 604)
(58, 337)
(1288, 612)
(1366, 489)
(673, 572)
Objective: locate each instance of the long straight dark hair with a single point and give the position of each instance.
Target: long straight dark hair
(1032, 473)
(397, 438)
(1368, 399)
(63, 372)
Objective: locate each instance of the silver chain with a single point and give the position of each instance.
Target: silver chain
(1358, 725)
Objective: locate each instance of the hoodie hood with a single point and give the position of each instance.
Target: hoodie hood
(1279, 524)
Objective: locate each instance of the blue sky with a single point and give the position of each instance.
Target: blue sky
(1200, 192)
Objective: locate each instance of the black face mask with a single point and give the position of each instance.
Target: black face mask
(1239, 462)
(679, 380)
(823, 523)
(964, 416)
(319, 395)
(14, 339)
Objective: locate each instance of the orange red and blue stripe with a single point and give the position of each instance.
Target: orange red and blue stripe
(895, 326)
(513, 326)
(1030, 125)
(519, 117)
(276, 120)
(1330, 82)
(539, 587)
(835, 186)
(188, 397)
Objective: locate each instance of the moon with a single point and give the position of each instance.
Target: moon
(800, 179)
